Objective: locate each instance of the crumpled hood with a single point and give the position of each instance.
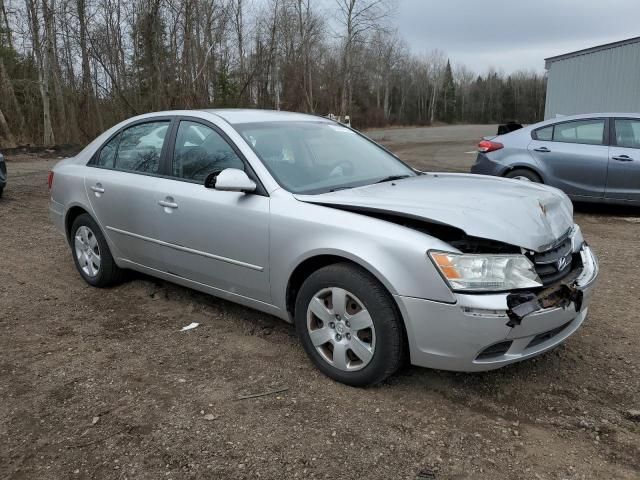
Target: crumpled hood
(519, 213)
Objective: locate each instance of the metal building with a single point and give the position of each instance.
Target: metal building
(598, 79)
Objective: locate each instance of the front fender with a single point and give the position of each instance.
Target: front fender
(394, 254)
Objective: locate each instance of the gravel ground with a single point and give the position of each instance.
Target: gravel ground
(102, 383)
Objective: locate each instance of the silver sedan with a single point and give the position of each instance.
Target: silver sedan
(308, 220)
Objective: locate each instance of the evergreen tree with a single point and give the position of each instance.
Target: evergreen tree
(448, 106)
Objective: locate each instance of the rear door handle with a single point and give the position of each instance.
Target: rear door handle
(97, 188)
(168, 203)
(623, 158)
(542, 149)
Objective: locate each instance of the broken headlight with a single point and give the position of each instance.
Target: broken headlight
(486, 273)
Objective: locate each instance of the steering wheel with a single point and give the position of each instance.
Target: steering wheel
(342, 168)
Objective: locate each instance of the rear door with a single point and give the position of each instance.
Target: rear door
(623, 181)
(122, 189)
(574, 155)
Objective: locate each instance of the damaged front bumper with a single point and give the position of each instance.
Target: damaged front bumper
(484, 332)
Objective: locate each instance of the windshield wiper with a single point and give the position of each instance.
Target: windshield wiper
(337, 189)
(392, 177)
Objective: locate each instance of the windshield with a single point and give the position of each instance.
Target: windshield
(318, 157)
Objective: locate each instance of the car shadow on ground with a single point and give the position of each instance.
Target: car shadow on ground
(607, 209)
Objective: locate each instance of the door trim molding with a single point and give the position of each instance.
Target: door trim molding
(189, 250)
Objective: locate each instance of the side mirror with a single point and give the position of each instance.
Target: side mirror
(231, 180)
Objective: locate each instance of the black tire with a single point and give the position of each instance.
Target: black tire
(108, 273)
(1, 191)
(389, 352)
(524, 173)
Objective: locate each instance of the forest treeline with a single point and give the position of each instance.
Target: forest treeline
(69, 69)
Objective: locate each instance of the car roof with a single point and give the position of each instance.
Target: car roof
(234, 116)
(564, 118)
(247, 115)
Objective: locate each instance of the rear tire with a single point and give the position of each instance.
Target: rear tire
(524, 174)
(91, 253)
(358, 338)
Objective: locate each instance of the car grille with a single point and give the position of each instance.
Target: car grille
(554, 264)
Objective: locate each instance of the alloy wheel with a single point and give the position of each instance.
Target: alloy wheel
(87, 251)
(341, 329)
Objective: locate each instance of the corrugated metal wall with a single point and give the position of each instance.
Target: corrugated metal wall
(604, 81)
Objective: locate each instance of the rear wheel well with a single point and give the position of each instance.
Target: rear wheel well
(72, 214)
(526, 169)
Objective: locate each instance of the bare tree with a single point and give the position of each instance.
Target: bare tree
(358, 17)
(44, 70)
(70, 68)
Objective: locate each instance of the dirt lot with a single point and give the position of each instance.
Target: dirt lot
(102, 384)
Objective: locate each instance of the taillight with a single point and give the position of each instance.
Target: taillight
(50, 179)
(486, 146)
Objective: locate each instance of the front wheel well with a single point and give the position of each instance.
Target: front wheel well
(302, 272)
(310, 265)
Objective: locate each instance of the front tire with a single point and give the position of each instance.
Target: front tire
(349, 325)
(91, 253)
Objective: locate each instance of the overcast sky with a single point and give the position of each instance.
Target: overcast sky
(514, 34)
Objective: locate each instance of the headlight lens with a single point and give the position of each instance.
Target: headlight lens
(486, 273)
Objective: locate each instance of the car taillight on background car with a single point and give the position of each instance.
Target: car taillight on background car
(50, 179)
(486, 146)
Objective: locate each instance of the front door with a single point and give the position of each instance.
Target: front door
(219, 239)
(623, 182)
(575, 156)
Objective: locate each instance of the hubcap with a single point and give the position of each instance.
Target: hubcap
(341, 329)
(87, 251)
(520, 177)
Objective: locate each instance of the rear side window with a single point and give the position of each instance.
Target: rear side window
(108, 153)
(545, 134)
(140, 147)
(590, 132)
(628, 133)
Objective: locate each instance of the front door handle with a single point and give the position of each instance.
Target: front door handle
(622, 158)
(168, 203)
(97, 188)
(542, 150)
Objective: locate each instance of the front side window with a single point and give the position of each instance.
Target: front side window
(199, 151)
(589, 132)
(317, 156)
(141, 146)
(628, 133)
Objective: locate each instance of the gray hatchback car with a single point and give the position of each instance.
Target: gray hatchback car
(592, 158)
(310, 221)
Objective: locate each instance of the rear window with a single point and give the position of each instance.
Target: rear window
(590, 132)
(544, 134)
